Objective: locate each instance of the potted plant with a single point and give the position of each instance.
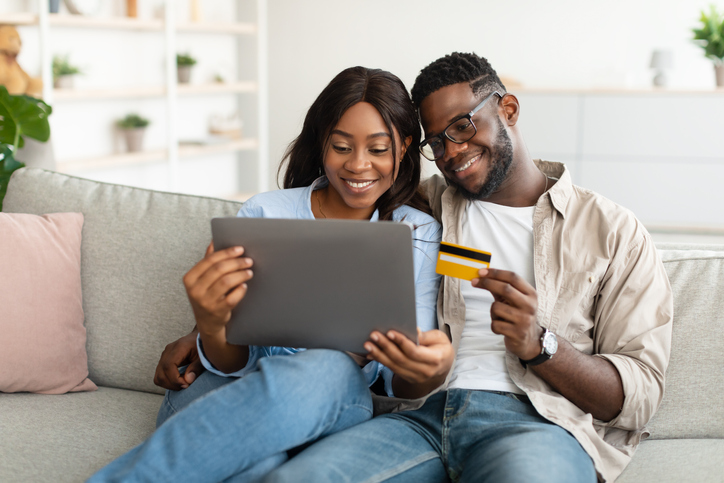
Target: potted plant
(63, 72)
(184, 62)
(133, 127)
(711, 38)
(19, 116)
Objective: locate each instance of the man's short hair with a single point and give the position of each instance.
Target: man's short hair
(453, 69)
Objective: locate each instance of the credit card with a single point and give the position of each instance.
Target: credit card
(461, 262)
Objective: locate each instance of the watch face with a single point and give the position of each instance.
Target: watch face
(550, 343)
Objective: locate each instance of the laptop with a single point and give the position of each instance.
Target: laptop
(321, 283)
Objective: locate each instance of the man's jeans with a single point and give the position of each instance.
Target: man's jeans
(460, 435)
(242, 430)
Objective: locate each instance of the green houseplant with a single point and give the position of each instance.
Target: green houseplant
(19, 116)
(63, 72)
(133, 127)
(710, 36)
(184, 62)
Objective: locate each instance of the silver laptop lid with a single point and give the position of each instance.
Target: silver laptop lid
(321, 283)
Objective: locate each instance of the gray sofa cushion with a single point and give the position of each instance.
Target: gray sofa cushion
(137, 245)
(692, 406)
(68, 437)
(676, 460)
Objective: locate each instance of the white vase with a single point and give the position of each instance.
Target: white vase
(719, 72)
(64, 82)
(134, 139)
(184, 74)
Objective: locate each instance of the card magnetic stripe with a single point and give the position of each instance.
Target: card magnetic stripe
(462, 252)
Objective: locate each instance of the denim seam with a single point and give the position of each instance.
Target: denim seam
(360, 406)
(407, 465)
(460, 411)
(167, 400)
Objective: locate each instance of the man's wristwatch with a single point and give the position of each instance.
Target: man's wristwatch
(549, 344)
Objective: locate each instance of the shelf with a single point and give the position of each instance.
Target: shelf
(116, 93)
(154, 156)
(216, 88)
(153, 91)
(128, 23)
(193, 150)
(18, 19)
(217, 28)
(121, 23)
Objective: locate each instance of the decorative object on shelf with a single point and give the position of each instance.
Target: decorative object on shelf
(12, 76)
(710, 37)
(19, 116)
(184, 62)
(132, 8)
(226, 126)
(196, 11)
(54, 6)
(82, 7)
(662, 60)
(63, 72)
(133, 127)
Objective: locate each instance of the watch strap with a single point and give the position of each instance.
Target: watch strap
(540, 358)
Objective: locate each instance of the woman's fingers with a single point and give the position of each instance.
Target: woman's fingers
(416, 363)
(211, 258)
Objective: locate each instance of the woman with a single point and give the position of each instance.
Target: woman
(356, 158)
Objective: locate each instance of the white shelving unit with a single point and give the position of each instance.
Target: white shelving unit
(246, 89)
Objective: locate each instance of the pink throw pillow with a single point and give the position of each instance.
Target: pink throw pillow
(41, 305)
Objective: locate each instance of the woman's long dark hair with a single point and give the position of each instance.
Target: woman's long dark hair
(305, 155)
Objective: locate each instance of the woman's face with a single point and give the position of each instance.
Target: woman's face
(359, 162)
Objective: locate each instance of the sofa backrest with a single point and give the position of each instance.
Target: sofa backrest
(137, 245)
(693, 404)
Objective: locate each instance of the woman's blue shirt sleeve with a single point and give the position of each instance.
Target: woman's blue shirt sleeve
(426, 243)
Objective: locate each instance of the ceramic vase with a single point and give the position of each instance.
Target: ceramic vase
(63, 82)
(184, 73)
(134, 139)
(719, 72)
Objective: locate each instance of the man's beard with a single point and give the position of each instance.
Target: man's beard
(501, 157)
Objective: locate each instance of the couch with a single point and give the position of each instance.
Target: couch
(136, 246)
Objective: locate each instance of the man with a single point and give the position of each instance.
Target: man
(561, 346)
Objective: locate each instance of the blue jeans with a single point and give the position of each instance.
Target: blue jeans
(459, 435)
(243, 429)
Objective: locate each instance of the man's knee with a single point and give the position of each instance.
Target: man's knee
(522, 455)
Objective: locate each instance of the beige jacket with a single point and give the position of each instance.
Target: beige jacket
(602, 287)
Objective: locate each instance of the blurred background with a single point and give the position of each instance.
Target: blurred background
(617, 90)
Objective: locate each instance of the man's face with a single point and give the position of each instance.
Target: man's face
(477, 167)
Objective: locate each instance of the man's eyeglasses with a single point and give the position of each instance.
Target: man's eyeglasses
(459, 131)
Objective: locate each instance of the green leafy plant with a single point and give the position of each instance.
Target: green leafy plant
(132, 121)
(711, 35)
(19, 116)
(62, 66)
(185, 59)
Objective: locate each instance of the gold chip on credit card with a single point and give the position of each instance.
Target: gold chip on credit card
(461, 262)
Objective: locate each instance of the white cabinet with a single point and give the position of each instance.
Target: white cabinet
(659, 153)
(129, 65)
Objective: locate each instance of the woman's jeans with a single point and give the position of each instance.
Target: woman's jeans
(243, 427)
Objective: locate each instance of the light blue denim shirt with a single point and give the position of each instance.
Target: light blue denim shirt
(295, 203)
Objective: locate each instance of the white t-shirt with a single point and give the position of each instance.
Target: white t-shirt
(507, 233)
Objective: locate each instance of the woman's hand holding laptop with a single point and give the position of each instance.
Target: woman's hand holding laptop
(214, 286)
